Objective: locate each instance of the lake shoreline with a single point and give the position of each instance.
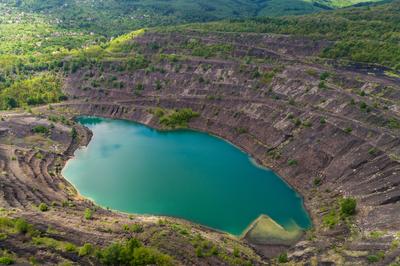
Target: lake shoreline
(196, 131)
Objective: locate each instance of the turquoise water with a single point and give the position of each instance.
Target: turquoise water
(188, 174)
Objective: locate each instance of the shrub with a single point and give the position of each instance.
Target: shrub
(372, 258)
(199, 252)
(297, 121)
(3, 236)
(74, 133)
(236, 252)
(348, 206)
(376, 234)
(132, 253)
(241, 130)
(158, 85)
(85, 250)
(148, 256)
(363, 105)
(307, 123)
(40, 129)
(376, 257)
(348, 130)
(283, 258)
(292, 162)
(393, 123)
(43, 207)
(324, 76)
(317, 182)
(330, 219)
(372, 151)
(139, 87)
(322, 120)
(21, 226)
(88, 214)
(137, 228)
(6, 260)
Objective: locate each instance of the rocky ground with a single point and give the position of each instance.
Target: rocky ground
(331, 130)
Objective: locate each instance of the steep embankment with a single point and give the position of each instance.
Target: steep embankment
(65, 228)
(330, 131)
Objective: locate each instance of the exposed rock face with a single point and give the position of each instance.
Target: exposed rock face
(269, 95)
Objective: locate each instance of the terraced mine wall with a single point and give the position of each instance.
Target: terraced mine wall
(329, 131)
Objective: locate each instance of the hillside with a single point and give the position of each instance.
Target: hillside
(112, 18)
(33, 43)
(364, 34)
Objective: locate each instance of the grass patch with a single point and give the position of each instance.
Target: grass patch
(55, 244)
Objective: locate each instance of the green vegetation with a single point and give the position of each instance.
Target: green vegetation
(40, 129)
(292, 162)
(113, 18)
(372, 151)
(176, 118)
(283, 258)
(88, 214)
(42, 41)
(376, 234)
(393, 123)
(15, 226)
(74, 133)
(317, 182)
(4, 260)
(43, 207)
(137, 228)
(39, 89)
(324, 76)
(21, 226)
(199, 49)
(86, 249)
(363, 34)
(53, 243)
(348, 206)
(132, 252)
(241, 130)
(331, 219)
(376, 257)
(342, 210)
(204, 248)
(348, 130)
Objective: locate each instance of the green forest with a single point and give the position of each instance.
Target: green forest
(363, 34)
(42, 41)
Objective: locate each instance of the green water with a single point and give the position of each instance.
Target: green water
(188, 174)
